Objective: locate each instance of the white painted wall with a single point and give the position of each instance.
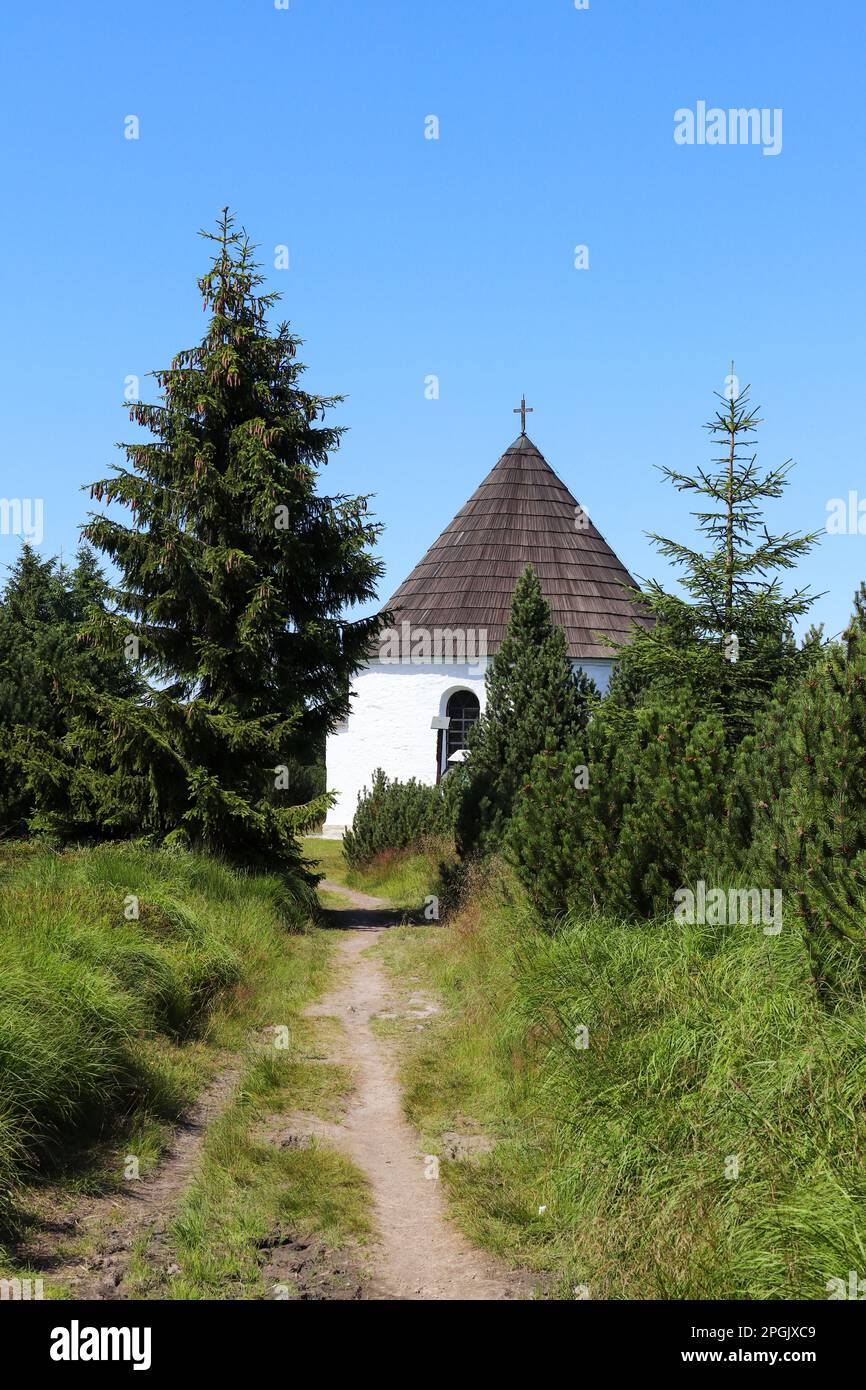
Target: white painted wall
(389, 727)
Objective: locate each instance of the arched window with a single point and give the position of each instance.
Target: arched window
(462, 710)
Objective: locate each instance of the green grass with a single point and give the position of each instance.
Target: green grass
(705, 1044)
(402, 878)
(110, 1024)
(109, 1027)
(326, 856)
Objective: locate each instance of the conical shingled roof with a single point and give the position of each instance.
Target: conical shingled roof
(522, 514)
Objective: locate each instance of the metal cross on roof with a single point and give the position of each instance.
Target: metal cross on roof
(523, 410)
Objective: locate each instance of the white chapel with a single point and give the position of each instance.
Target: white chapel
(415, 700)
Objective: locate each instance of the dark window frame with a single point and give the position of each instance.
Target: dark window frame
(461, 717)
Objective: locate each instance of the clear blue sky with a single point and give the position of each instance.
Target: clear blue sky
(412, 257)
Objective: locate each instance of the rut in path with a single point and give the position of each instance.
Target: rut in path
(118, 1220)
(419, 1254)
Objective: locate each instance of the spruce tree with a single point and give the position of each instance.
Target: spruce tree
(235, 574)
(43, 610)
(533, 695)
(32, 611)
(730, 640)
(31, 616)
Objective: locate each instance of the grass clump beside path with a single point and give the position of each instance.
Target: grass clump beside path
(708, 1142)
(123, 971)
(252, 1193)
(402, 878)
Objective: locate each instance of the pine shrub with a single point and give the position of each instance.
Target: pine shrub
(809, 829)
(396, 815)
(620, 818)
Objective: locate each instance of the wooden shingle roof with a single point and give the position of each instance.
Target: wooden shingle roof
(522, 514)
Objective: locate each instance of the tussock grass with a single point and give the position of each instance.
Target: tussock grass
(102, 1017)
(706, 1044)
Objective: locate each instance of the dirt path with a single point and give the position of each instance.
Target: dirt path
(85, 1244)
(420, 1255)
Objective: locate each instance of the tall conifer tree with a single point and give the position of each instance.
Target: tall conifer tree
(235, 577)
(730, 639)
